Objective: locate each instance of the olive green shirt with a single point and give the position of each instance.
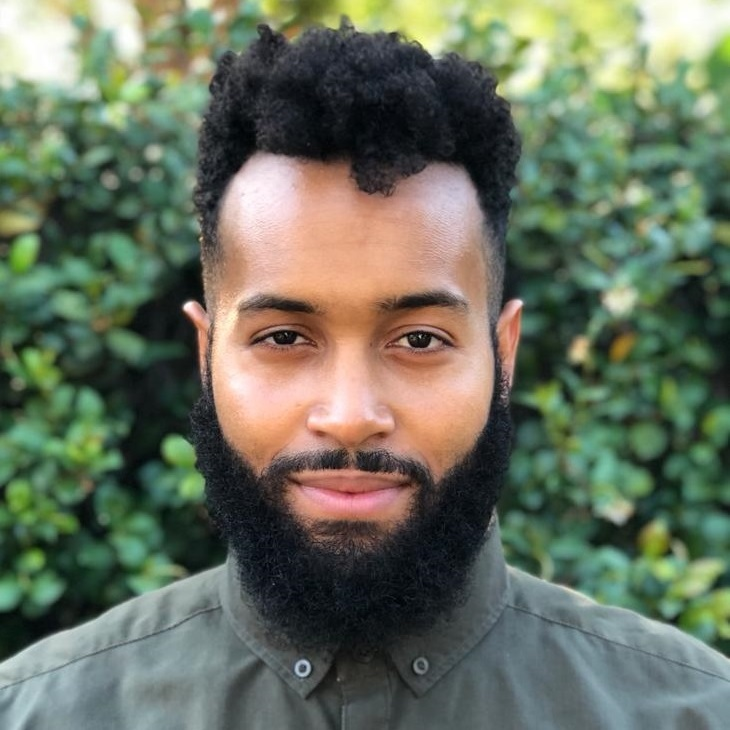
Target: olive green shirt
(520, 653)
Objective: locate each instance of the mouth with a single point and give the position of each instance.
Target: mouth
(349, 494)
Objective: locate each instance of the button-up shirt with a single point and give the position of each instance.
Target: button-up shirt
(520, 653)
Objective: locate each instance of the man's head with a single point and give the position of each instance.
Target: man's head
(384, 105)
(354, 429)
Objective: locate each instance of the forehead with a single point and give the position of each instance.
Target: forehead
(281, 215)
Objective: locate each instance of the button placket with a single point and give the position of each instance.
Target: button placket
(366, 691)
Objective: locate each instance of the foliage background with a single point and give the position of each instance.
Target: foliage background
(620, 247)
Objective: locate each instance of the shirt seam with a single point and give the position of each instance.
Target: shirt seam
(623, 645)
(111, 647)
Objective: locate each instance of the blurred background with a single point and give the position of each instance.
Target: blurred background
(620, 247)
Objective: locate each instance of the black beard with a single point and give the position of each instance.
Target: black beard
(345, 584)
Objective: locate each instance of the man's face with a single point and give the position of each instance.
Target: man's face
(347, 321)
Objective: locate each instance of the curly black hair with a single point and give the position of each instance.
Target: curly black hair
(381, 102)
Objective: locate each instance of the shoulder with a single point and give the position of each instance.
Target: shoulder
(584, 626)
(160, 612)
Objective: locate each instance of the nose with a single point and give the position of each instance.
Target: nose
(350, 410)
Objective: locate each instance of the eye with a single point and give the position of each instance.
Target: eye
(281, 338)
(421, 340)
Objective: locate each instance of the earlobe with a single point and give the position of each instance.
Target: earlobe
(201, 321)
(508, 336)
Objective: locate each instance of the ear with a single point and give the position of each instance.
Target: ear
(201, 321)
(508, 336)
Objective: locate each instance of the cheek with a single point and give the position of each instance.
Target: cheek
(448, 419)
(259, 416)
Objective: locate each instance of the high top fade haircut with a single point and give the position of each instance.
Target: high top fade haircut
(380, 102)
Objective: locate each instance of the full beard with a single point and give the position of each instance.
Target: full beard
(350, 584)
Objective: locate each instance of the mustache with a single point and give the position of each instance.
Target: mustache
(375, 461)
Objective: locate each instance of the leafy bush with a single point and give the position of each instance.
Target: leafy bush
(620, 483)
(620, 247)
(101, 252)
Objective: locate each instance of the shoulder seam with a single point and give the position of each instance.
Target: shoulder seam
(595, 634)
(116, 645)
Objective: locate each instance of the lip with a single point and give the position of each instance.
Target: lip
(344, 494)
(350, 481)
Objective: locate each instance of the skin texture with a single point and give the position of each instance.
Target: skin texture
(321, 340)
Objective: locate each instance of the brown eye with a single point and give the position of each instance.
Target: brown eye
(284, 337)
(420, 340)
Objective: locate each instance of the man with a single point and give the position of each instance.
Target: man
(354, 434)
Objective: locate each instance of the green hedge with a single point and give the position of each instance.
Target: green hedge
(620, 247)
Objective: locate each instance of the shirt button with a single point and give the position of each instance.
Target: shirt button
(420, 666)
(303, 668)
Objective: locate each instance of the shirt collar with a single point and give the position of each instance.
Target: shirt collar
(420, 661)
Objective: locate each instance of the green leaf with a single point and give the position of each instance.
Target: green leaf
(177, 451)
(31, 561)
(24, 252)
(11, 593)
(89, 404)
(96, 556)
(40, 369)
(127, 345)
(70, 305)
(46, 589)
(19, 495)
(716, 425)
(131, 550)
(719, 602)
(700, 622)
(122, 250)
(648, 440)
(698, 578)
(192, 487)
(654, 539)
(98, 156)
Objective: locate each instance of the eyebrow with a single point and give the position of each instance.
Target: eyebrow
(262, 302)
(421, 300)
